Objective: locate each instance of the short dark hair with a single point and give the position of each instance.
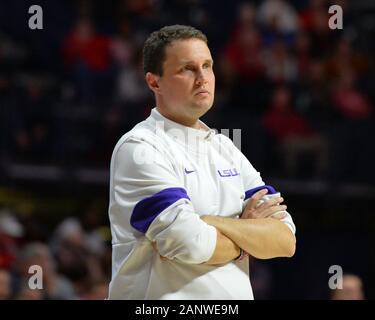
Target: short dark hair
(154, 47)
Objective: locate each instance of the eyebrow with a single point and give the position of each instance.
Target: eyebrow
(192, 62)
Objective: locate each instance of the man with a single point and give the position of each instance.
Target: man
(177, 189)
(352, 289)
(5, 284)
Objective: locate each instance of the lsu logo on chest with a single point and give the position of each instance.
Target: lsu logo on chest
(228, 173)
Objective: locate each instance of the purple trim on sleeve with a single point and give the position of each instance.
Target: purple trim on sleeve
(146, 210)
(249, 193)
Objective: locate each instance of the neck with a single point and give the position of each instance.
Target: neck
(192, 123)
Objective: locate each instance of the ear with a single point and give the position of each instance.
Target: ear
(153, 82)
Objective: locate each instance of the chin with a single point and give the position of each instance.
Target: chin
(201, 109)
(203, 105)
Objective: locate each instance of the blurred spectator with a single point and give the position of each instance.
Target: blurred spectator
(92, 224)
(87, 56)
(5, 284)
(348, 100)
(343, 58)
(281, 66)
(282, 121)
(77, 259)
(122, 45)
(241, 74)
(132, 90)
(313, 96)
(311, 16)
(244, 53)
(55, 286)
(85, 46)
(144, 15)
(278, 15)
(293, 134)
(11, 231)
(355, 125)
(314, 20)
(133, 100)
(352, 289)
(97, 291)
(26, 293)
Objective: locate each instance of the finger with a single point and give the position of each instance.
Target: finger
(271, 202)
(246, 214)
(162, 258)
(256, 197)
(272, 210)
(279, 215)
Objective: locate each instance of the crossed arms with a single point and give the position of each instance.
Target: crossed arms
(258, 232)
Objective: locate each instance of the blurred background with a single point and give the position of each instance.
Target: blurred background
(302, 94)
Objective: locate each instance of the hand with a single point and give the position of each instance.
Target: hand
(162, 258)
(269, 208)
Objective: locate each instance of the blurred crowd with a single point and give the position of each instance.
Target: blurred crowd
(74, 257)
(301, 93)
(299, 90)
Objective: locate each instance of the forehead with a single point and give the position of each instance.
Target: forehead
(189, 50)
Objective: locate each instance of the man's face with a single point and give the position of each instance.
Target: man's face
(187, 86)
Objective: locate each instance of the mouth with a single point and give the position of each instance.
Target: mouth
(202, 93)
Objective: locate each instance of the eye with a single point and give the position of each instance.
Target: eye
(189, 68)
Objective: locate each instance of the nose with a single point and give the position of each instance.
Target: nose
(200, 79)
